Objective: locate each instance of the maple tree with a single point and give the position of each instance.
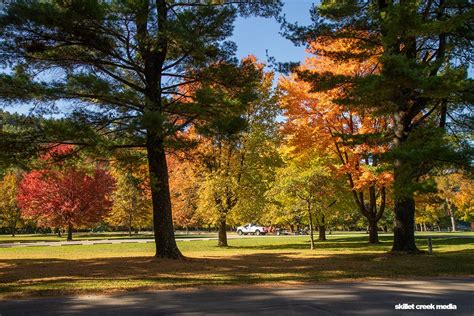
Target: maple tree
(456, 190)
(304, 188)
(239, 156)
(131, 206)
(10, 212)
(184, 188)
(315, 121)
(65, 196)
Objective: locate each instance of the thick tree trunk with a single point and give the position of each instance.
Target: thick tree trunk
(404, 228)
(404, 225)
(69, 232)
(13, 229)
(311, 227)
(160, 195)
(373, 232)
(222, 242)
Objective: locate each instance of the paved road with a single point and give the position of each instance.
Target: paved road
(335, 298)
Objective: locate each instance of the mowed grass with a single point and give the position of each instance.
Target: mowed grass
(265, 260)
(28, 238)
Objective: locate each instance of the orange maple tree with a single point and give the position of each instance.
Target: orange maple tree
(315, 121)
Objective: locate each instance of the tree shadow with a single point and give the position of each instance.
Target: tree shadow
(59, 276)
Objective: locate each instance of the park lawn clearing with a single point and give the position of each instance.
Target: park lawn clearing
(92, 269)
(7, 239)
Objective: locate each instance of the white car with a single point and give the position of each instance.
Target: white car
(251, 229)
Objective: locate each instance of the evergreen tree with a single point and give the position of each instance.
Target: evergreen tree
(128, 68)
(423, 51)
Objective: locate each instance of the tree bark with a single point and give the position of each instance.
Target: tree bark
(165, 242)
(404, 225)
(404, 228)
(451, 215)
(222, 232)
(373, 232)
(311, 227)
(69, 232)
(322, 230)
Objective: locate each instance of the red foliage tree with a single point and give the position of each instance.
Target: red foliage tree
(66, 198)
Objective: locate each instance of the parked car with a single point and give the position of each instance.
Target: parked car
(281, 231)
(251, 229)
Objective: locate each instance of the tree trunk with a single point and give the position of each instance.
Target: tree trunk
(322, 230)
(451, 215)
(13, 231)
(165, 242)
(404, 228)
(130, 221)
(69, 232)
(59, 232)
(311, 226)
(404, 208)
(322, 233)
(373, 232)
(222, 232)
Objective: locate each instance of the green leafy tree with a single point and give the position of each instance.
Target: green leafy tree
(423, 51)
(131, 69)
(240, 157)
(304, 187)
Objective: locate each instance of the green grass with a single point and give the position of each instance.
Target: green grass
(28, 238)
(98, 268)
(148, 235)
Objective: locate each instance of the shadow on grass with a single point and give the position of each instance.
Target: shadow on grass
(58, 276)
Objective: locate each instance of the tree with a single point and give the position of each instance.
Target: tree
(131, 204)
(425, 54)
(315, 120)
(126, 64)
(304, 185)
(240, 156)
(184, 185)
(65, 198)
(457, 193)
(10, 213)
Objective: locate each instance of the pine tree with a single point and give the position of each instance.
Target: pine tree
(423, 80)
(128, 66)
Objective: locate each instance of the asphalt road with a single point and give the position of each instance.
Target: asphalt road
(335, 298)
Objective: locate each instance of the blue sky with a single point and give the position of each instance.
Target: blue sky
(256, 35)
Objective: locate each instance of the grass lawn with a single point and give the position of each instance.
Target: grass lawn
(26, 238)
(102, 268)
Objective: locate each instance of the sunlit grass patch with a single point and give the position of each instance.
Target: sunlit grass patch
(113, 267)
